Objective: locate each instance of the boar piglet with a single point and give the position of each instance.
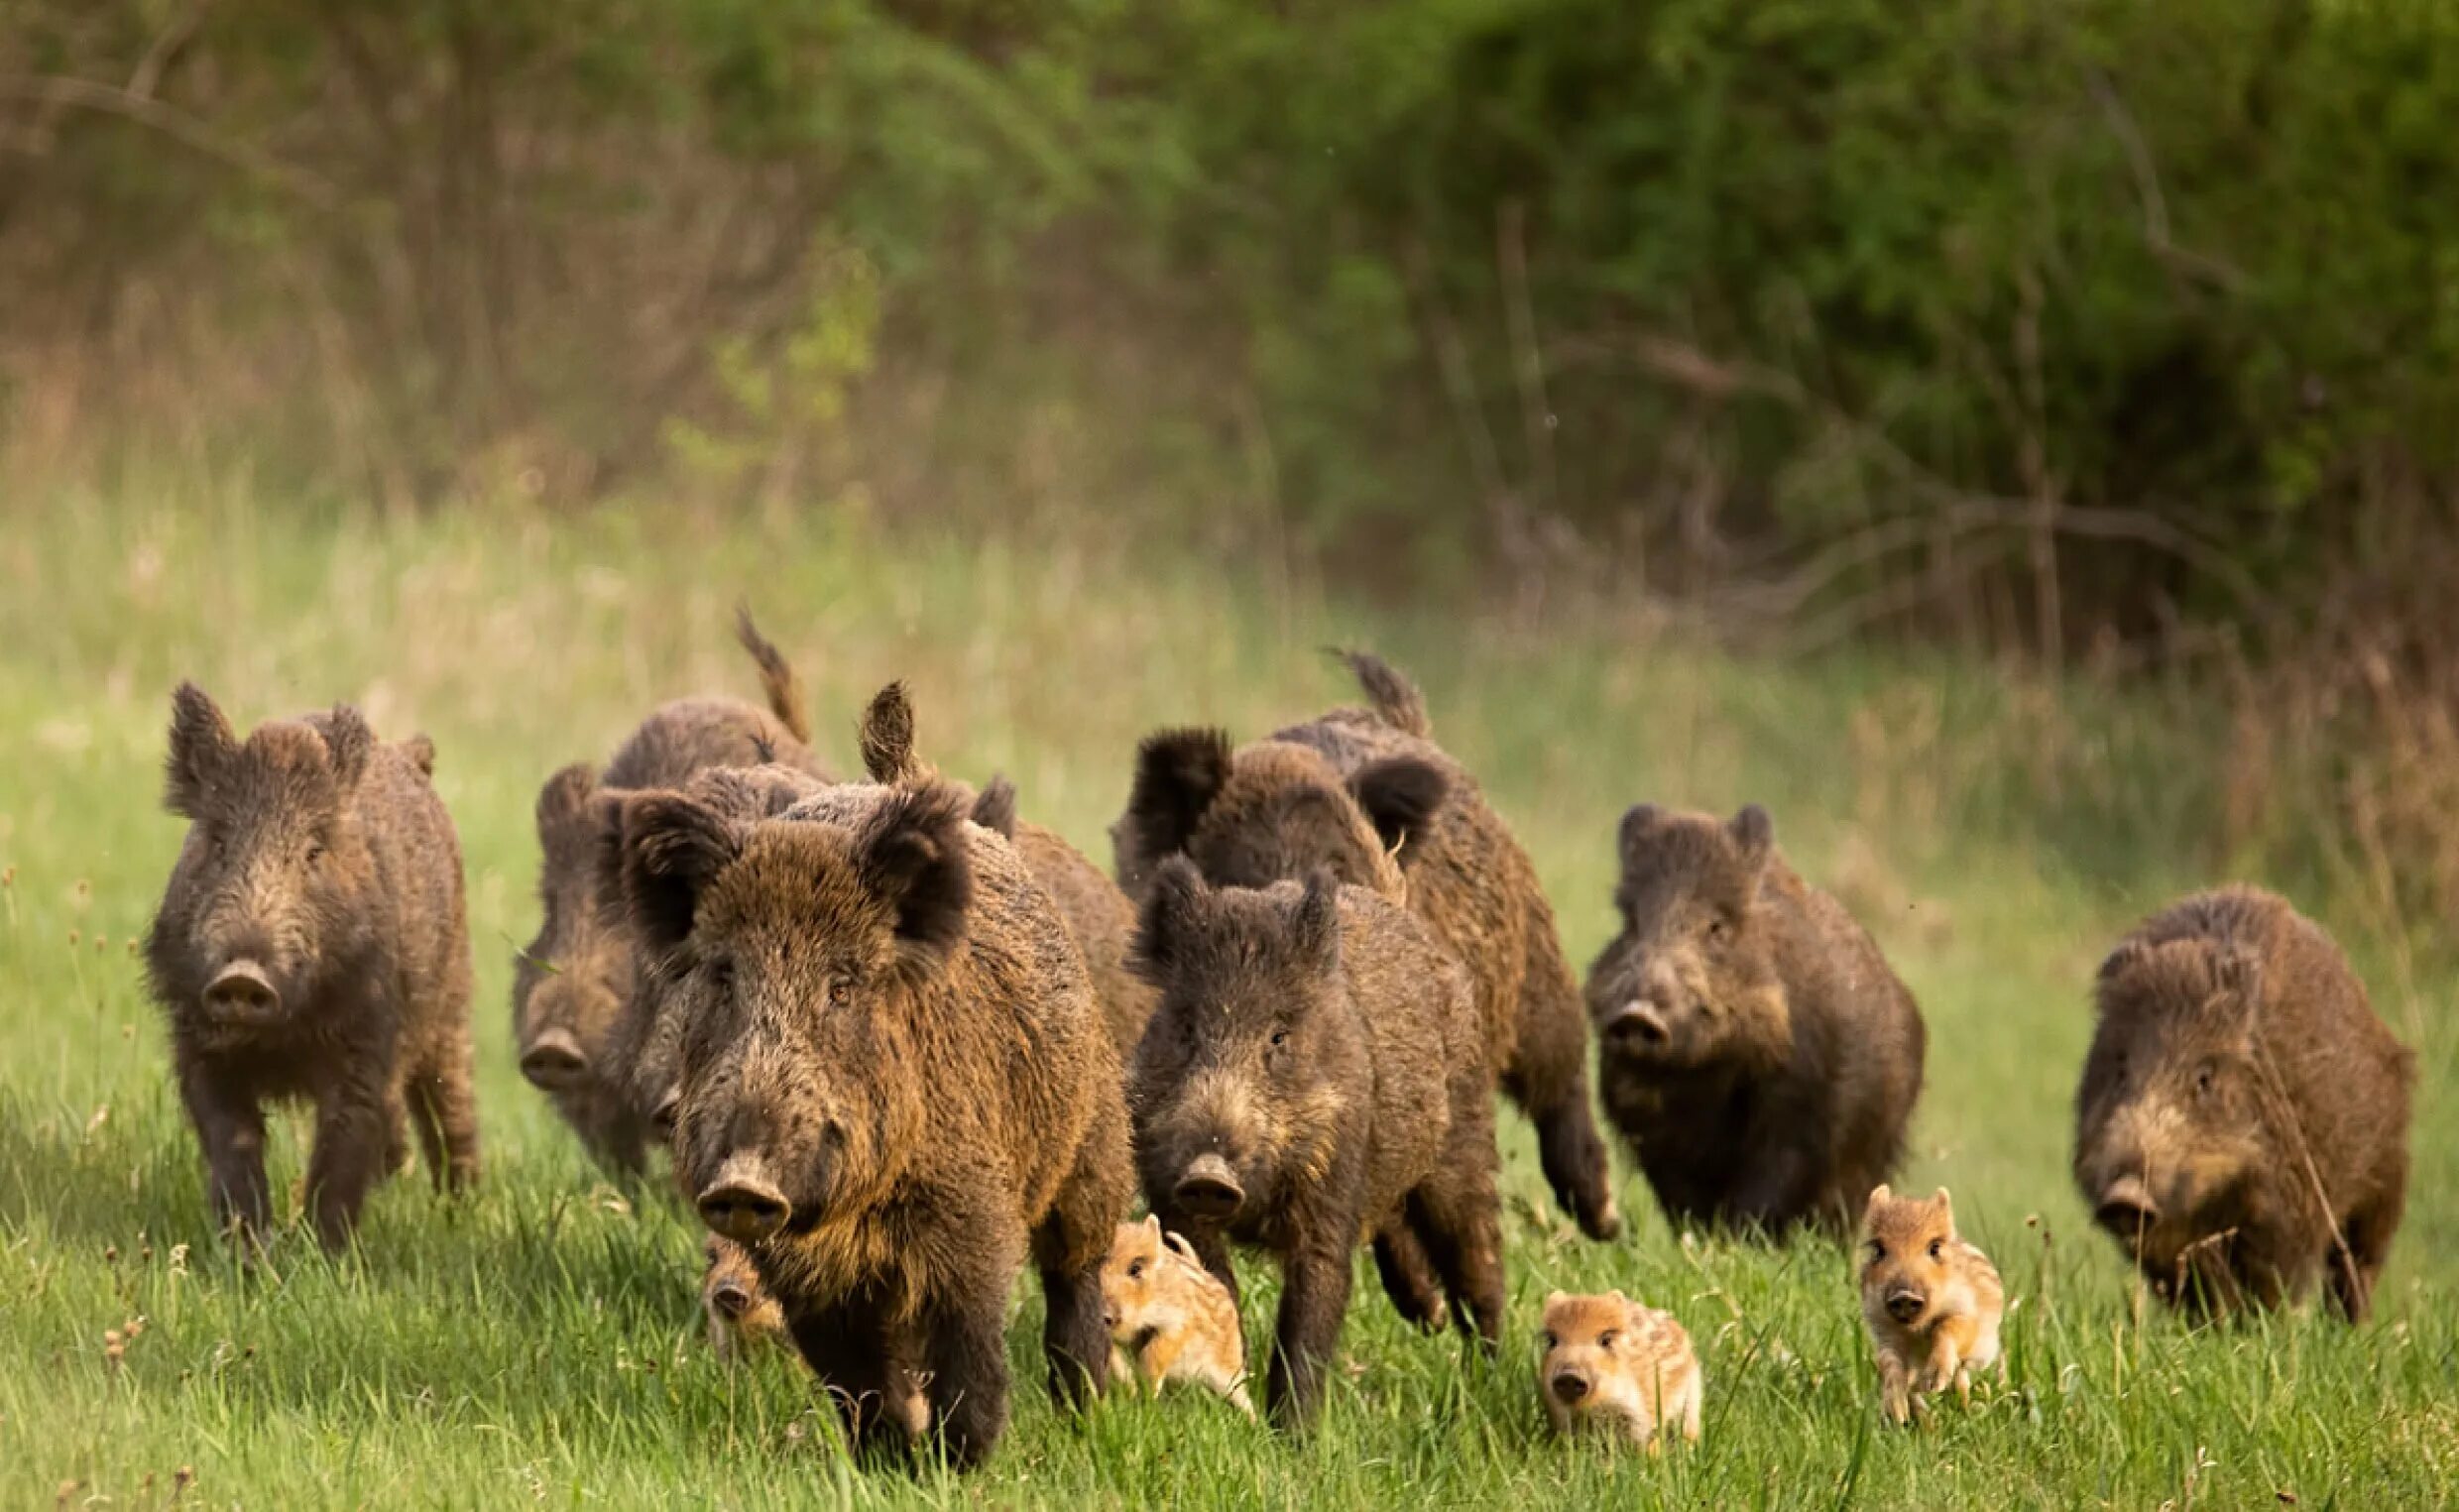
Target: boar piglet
(2242, 1121)
(1313, 1076)
(1756, 1050)
(574, 983)
(1369, 794)
(894, 1090)
(312, 944)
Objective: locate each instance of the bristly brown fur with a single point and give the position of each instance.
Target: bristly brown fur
(887, 738)
(2242, 1119)
(321, 869)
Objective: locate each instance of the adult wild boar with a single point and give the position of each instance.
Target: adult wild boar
(1315, 1075)
(312, 944)
(1367, 793)
(2242, 1121)
(1756, 1050)
(571, 985)
(895, 1088)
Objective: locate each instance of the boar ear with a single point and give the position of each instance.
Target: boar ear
(1880, 1195)
(1399, 794)
(911, 855)
(1161, 928)
(887, 738)
(1556, 1297)
(1314, 929)
(202, 749)
(1637, 821)
(1754, 835)
(672, 850)
(420, 749)
(2238, 974)
(1152, 1225)
(1178, 774)
(1946, 1205)
(994, 807)
(1621, 1301)
(2127, 954)
(564, 796)
(347, 742)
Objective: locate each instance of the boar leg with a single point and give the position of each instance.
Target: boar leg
(864, 1371)
(964, 1350)
(1779, 1187)
(447, 1111)
(1315, 1297)
(348, 1159)
(1455, 1212)
(1548, 1079)
(231, 1127)
(1408, 1275)
(2368, 1232)
(1069, 1247)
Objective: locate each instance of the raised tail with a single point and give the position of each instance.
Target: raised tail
(887, 738)
(777, 678)
(1395, 698)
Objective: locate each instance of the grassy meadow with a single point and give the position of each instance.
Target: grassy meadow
(540, 1343)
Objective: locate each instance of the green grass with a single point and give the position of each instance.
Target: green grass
(538, 1342)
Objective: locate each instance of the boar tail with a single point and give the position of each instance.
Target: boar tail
(777, 678)
(887, 739)
(1395, 698)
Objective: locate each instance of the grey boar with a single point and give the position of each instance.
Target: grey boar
(1314, 1076)
(1755, 1048)
(312, 944)
(2241, 1125)
(1367, 793)
(572, 984)
(896, 1089)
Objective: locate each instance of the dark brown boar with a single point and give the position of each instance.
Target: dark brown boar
(1367, 793)
(895, 1088)
(2242, 1120)
(1756, 1049)
(1098, 914)
(570, 987)
(313, 943)
(1315, 1075)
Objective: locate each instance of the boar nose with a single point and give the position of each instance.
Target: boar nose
(1640, 1026)
(2126, 1208)
(1569, 1387)
(554, 1060)
(1209, 1188)
(731, 1298)
(1904, 1304)
(743, 1204)
(241, 989)
(661, 1117)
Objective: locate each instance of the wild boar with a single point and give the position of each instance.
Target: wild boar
(895, 1089)
(1367, 793)
(1314, 1076)
(1615, 1364)
(571, 985)
(1178, 1320)
(741, 1314)
(1756, 1050)
(313, 943)
(2242, 1121)
(1931, 1301)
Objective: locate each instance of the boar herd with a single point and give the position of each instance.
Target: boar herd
(900, 1044)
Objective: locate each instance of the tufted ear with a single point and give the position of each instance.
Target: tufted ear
(1178, 774)
(2127, 954)
(1637, 821)
(420, 749)
(564, 798)
(910, 855)
(1315, 926)
(2237, 973)
(1170, 914)
(1946, 1205)
(347, 742)
(1880, 1195)
(886, 736)
(201, 750)
(1399, 794)
(1754, 835)
(994, 807)
(672, 849)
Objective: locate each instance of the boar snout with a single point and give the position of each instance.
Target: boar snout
(1638, 1028)
(1209, 1188)
(243, 992)
(554, 1061)
(1570, 1387)
(731, 1298)
(2127, 1208)
(1905, 1302)
(744, 1204)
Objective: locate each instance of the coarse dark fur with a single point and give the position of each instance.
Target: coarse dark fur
(1755, 1047)
(2241, 1125)
(1098, 914)
(572, 984)
(895, 1089)
(1314, 1076)
(313, 943)
(1367, 793)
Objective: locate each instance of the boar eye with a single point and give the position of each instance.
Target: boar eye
(1548, 1339)
(315, 851)
(2202, 1080)
(1718, 929)
(1135, 1270)
(722, 975)
(1606, 1340)
(1280, 1037)
(1878, 1251)
(1937, 1249)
